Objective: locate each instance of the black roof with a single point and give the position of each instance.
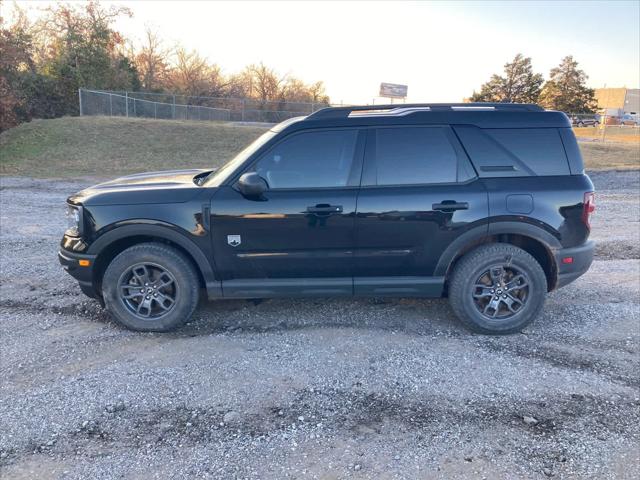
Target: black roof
(483, 115)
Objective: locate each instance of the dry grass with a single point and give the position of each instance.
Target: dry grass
(624, 134)
(605, 156)
(108, 147)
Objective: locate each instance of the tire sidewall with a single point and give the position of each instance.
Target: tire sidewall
(185, 278)
(463, 285)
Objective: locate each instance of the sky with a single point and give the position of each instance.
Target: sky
(442, 50)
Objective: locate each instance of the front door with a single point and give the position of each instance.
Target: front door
(298, 238)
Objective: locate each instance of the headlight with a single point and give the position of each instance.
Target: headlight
(74, 220)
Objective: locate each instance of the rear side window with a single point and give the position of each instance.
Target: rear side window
(414, 155)
(512, 152)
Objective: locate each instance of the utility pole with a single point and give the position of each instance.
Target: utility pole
(604, 117)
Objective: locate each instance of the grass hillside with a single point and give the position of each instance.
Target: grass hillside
(109, 147)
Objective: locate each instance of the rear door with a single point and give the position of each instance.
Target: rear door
(419, 193)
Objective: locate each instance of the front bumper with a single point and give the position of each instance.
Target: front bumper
(70, 261)
(581, 259)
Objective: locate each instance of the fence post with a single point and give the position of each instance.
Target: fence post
(155, 110)
(80, 100)
(126, 100)
(110, 105)
(173, 109)
(243, 108)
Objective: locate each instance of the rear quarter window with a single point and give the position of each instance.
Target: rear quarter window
(515, 152)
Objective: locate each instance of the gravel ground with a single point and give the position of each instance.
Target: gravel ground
(364, 388)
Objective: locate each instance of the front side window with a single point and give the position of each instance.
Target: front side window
(414, 155)
(317, 159)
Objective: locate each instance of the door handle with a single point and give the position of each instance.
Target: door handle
(324, 209)
(450, 206)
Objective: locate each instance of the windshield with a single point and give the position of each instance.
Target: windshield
(217, 177)
(220, 175)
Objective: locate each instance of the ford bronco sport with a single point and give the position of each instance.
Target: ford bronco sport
(487, 204)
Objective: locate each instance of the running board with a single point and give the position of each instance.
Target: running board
(396, 286)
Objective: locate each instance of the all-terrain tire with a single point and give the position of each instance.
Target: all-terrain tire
(184, 287)
(470, 268)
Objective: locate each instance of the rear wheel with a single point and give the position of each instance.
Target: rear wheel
(497, 289)
(151, 287)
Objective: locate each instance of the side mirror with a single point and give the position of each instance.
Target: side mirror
(251, 184)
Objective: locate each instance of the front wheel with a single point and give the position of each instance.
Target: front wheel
(497, 289)
(151, 287)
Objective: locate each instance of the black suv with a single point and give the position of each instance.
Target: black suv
(487, 204)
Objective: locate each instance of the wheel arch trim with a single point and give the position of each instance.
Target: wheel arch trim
(481, 234)
(167, 232)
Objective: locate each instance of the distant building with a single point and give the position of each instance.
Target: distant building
(632, 101)
(623, 100)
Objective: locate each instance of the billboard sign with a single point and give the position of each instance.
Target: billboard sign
(393, 90)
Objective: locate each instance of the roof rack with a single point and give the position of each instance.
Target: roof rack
(409, 108)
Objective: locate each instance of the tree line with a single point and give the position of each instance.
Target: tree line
(565, 90)
(43, 63)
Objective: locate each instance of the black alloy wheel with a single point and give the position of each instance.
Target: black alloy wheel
(148, 291)
(151, 287)
(497, 289)
(501, 291)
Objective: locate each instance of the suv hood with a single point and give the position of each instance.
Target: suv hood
(171, 186)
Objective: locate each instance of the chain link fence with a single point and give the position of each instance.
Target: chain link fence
(605, 118)
(181, 107)
(607, 126)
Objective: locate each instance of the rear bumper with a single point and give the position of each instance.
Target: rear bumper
(70, 261)
(581, 256)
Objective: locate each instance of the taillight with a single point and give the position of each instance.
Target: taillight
(588, 207)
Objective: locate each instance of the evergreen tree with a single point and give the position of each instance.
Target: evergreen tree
(519, 84)
(566, 89)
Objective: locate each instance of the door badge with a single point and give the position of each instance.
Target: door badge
(234, 240)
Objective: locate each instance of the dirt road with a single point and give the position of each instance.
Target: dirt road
(316, 388)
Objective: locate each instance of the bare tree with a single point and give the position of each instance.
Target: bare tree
(152, 61)
(265, 84)
(188, 75)
(318, 93)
